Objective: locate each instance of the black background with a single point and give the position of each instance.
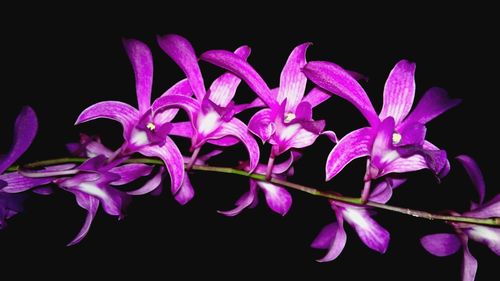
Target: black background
(61, 61)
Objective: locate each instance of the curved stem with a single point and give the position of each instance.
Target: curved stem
(495, 221)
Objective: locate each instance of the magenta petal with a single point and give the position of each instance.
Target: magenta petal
(441, 244)
(403, 165)
(239, 130)
(225, 141)
(186, 192)
(281, 168)
(130, 172)
(303, 111)
(469, 265)
(292, 80)
(277, 197)
(325, 237)
(489, 209)
(173, 160)
(181, 88)
(90, 204)
(399, 92)
(180, 50)
(262, 124)
(190, 105)
(245, 201)
(114, 110)
(223, 88)
(382, 193)
(369, 231)
(336, 80)
(242, 69)
(434, 102)
(182, 129)
(474, 173)
(489, 236)
(25, 129)
(142, 62)
(382, 149)
(18, 183)
(316, 96)
(337, 242)
(151, 185)
(412, 134)
(354, 145)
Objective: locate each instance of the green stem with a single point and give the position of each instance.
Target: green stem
(495, 221)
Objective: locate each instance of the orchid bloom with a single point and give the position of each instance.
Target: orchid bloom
(25, 129)
(445, 244)
(144, 131)
(277, 197)
(287, 121)
(211, 112)
(333, 236)
(395, 140)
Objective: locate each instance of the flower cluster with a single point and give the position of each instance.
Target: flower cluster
(394, 143)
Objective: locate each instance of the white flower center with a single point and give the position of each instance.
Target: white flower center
(396, 138)
(289, 116)
(356, 217)
(208, 123)
(139, 137)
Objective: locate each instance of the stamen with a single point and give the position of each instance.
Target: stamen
(289, 117)
(151, 126)
(396, 138)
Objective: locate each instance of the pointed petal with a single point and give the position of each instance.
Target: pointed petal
(371, 233)
(399, 91)
(382, 193)
(489, 236)
(298, 135)
(242, 69)
(151, 185)
(292, 80)
(354, 145)
(181, 88)
(25, 129)
(336, 80)
(316, 96)
(18, 183)
(173, 160)
(262, 124)
(382, 150)
(130, 172)
(186, 192)
(405, 165)
(180, 50)
(90, 204)
(114, 110)
(223, 88)
(474, 173)
(303, 111)
(325, 236)
(277, 197)
(489, 209)
(245, 201)
(239, 130)
(142, 63)
(434, 102)
(441, 244)
(190, 105)
(181, 129)
(337, 242)
(284, 166)
(469, 265)
(225, 141)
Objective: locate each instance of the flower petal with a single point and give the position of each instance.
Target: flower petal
(490, 236)
(325, 237)
(474, 173)
(142, 62)
(91, 204)
(399, 92)
(489, 209)
(262, 124)
(337, 241)
(336, 80)
(354, 145)
(292, 80)
(371, 233)
(180, 50)
(316, 96)
(130, 172)
(18, 183)
(223, 88)
(225, 141)
(25, 129)
(383, 152)
(180, 88)
(239, 130)
(469, 265)
(245, 201)
(434, 102)
(190, 105)
(186, 192)
(277, 197)
(242, 69)
(441, 244)
(412, 134)
(151, 185)
(114, 110)
(173, 160)
(181, 129)
(382, 193)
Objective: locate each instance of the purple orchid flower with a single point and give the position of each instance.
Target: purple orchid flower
(287, 121)
(89, 146)
(395, 141)
(445, 244)
(333, 236)
(144, 131)
(277, 197)
(211, 112)
(25, 129)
